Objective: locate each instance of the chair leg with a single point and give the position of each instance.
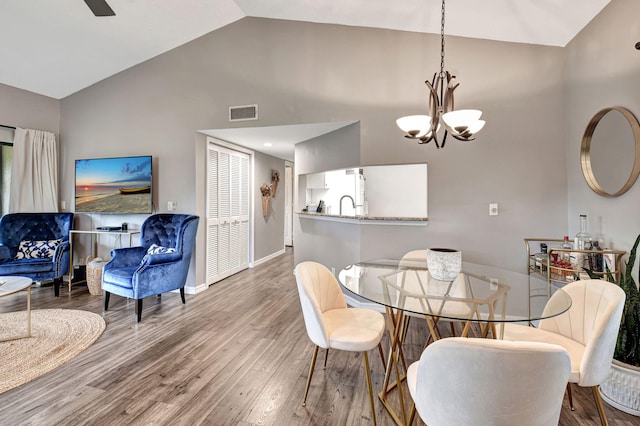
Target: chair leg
(596, 396)
(313, 364)
(384, 364)
(139, 309)
(106, 300)
(366, 367)
(570, 397)
(326, 356)
(56, 287)
(182, 295)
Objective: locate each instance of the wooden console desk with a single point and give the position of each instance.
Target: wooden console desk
(94, 233)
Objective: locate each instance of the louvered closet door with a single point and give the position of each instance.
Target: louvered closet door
(228, 213)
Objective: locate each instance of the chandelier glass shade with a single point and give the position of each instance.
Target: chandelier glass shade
(461, 124)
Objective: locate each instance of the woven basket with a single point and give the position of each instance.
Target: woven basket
(94, 276)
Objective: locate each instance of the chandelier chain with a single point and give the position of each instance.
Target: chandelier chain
(442, 41)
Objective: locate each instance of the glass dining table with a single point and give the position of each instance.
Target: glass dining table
(482, 295)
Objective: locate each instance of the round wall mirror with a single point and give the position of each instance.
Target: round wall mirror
(610, 151)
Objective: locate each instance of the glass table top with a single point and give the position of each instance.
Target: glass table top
(479, 293)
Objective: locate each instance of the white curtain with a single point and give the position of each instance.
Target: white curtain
(34, 172)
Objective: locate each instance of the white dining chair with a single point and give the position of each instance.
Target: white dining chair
(415, 282)
(588, 331)
(331, 324)
(476, 381)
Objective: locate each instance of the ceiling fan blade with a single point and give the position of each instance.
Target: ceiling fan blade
(100, 7)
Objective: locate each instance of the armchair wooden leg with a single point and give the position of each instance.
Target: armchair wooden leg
(313, 364)
(106, 300)
(56, 287)
(182, 295)
(326, 356)
(570, 397)
(139, 309)
(369, 387)
(596, 396)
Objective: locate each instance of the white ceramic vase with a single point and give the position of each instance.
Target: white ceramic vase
(444, 264)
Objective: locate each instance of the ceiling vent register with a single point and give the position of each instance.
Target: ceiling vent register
(243, 113)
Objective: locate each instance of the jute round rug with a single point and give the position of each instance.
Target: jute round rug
(57, 335)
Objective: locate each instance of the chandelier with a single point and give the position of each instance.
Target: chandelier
(461, 124)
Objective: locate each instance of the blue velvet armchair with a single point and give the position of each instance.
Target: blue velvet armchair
(159, 265)
(36, 245)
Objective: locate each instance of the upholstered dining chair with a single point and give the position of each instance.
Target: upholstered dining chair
(412, 282)
(331, 324)
(588, 331)
(489, 382)
(160, 264)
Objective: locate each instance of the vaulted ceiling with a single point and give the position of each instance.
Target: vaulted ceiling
(56, 48)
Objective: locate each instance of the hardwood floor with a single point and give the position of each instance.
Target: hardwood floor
(237, 354)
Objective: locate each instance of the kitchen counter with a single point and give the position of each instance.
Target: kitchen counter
(367, 220)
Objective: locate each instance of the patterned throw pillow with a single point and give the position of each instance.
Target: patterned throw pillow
(156, 249)
(37, 249)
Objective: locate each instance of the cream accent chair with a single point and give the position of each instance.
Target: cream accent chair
(476, 381)
(331, 324)
(413, 283)
(588, 331)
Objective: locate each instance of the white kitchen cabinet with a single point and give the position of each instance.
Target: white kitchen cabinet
(317, 181)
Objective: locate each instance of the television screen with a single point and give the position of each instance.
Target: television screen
(114, 185)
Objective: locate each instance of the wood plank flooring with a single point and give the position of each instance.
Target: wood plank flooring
(237, 354)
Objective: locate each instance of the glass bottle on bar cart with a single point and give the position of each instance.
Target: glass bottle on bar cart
(566, 245)
(583, 238)
(582, 241)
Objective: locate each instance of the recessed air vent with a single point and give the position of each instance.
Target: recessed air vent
(243, 113)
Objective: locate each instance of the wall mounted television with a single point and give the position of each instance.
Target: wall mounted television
(120, 185)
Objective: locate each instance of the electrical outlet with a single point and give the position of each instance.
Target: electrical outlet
(63, 204)
(493, 209)
(172, 205)
(493, 283)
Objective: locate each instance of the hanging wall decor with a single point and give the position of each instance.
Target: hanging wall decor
(265, 189)
(275, 178)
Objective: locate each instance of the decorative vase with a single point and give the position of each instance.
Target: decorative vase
(444, 264)
(622, 388)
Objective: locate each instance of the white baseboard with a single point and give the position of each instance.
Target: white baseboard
(268, 258)
(204, 286)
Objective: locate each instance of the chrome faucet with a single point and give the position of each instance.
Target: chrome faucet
(353, 203)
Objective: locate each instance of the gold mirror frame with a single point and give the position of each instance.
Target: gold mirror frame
(585, 155)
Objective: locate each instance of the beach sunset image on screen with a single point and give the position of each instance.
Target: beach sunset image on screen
(114, 185)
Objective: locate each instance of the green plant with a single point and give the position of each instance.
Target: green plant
(628, 344)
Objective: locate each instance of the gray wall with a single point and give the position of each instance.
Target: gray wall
(304, 73)
(603, 70)
(20, 108)
(269, 230)
(517, 161)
